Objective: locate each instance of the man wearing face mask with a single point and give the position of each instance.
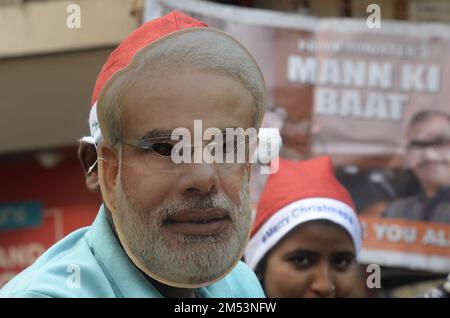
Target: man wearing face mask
(428, 155)
(165, 229)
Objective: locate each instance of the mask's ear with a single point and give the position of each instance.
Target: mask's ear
(87, 154)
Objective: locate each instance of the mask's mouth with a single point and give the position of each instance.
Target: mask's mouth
(203, 223)
(198, 222)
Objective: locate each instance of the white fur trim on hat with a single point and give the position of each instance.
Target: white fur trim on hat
(282, 222)
(94, 126)
(88, 139)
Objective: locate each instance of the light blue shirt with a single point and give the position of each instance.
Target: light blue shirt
(90, 262)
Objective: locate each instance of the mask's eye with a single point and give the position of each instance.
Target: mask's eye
(229, 144)
(163, 149)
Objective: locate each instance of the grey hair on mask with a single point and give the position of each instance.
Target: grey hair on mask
(202, 49)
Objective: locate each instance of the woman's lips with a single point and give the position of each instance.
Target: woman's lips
(198, 222)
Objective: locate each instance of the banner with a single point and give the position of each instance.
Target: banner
(399, 242)
(20, 215)
(376, 100)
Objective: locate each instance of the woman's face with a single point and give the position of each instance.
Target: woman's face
(316, 259)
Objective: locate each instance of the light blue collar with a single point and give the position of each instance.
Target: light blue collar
(125, 278)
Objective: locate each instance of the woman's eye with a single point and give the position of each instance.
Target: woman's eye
(342, 262)
(301, 261)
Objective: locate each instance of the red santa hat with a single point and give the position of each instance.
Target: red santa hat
(300, 192)
(121, 57)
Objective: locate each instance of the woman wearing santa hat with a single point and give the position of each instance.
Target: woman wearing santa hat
(306, 239)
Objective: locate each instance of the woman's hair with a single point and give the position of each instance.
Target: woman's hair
(260, 269)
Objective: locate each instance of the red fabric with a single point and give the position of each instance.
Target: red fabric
(297, 180)
(141, 37)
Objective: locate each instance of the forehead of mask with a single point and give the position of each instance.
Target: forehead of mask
(175, 99)
(171, 87)
(153, 108)
(156, 59)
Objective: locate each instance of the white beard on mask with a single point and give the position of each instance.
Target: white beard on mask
(190, 261)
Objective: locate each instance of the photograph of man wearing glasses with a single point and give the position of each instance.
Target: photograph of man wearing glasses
(428, 156)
